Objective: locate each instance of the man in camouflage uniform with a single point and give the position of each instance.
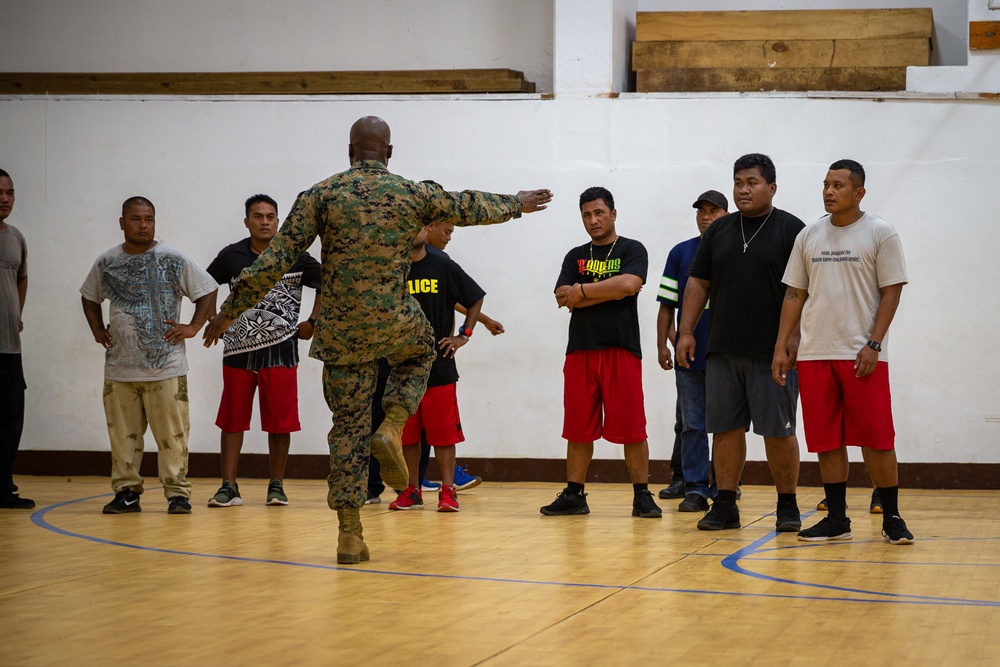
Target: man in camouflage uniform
(366, 218)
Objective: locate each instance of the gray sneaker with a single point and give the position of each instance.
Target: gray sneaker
(228, 495)
(276, 493)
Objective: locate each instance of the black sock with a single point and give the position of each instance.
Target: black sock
(636, 488)
(889, 495)
(726, 497)
(836, 499)
(788, 497)
(574, 487)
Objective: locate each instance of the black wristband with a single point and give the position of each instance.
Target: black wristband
(312, 321)
(581, 290)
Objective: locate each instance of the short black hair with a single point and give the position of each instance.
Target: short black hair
(138, 199)
(4, 174)
(595, 193)
(257, 199)
(857, 171)
(761, 162)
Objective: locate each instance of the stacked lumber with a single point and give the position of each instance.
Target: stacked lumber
(789, 50)
(268, 83)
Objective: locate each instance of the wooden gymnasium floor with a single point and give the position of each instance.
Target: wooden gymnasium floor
(496, 584)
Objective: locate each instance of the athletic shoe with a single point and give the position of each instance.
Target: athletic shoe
(276, 493)
(693, 503)
(463, 480)
(430, 486)
(876, 506)
(447, 502)
(822, 506)
(787, 517)
(178, 505)
(720, 517)
(828, 529)
(408, 499)
(644, 507)
(12, 501)
(125, 501)
(894, 531)
(674, 491)
(228, 495)
(373, 498)
(567, 502)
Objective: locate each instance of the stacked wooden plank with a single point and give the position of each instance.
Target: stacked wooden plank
(268, 83)
(793, 50)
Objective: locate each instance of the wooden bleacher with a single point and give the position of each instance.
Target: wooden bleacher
(403, 82)
(788, 50)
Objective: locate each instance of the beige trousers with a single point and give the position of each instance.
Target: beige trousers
(163, 405)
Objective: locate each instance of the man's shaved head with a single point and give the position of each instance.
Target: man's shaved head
(370, 140)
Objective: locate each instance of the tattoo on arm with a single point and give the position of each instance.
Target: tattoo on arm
(791, 294)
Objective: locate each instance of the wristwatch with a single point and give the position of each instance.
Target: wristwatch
(465, 332)
(875, 345)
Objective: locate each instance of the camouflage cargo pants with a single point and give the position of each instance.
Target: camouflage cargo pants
(163, 406)
(348, 389)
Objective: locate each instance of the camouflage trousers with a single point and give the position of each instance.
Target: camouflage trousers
(348, 389)
(163, 406)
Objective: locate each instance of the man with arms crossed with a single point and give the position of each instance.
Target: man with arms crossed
(710, 206)
(145, 368)
(845, 275)
(261, 351)
(739, 265)
(599, 284)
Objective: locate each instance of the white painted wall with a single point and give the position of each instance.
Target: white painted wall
(932, 167)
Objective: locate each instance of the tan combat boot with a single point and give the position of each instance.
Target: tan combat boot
(387, 447)
(351, 547)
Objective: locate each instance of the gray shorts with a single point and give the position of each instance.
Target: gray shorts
(739, 390)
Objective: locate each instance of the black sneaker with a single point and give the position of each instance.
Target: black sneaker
(894, 531)
(125, 501)
(788, 519)
(13, 501)
(644, 507)
(674, 490)
(720, 517)
(876, 505)
(826, 530)
(567, 502)
(178, 505)
(693, 503)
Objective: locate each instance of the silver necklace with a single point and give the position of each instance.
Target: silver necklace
(744, 235)
(613, 248)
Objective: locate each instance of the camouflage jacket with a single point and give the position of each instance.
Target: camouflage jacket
(366, 218)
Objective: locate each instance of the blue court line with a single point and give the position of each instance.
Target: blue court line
(732, 563)
(38, 517)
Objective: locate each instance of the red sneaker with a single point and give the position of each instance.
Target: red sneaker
(408, 499)
(447, 500)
